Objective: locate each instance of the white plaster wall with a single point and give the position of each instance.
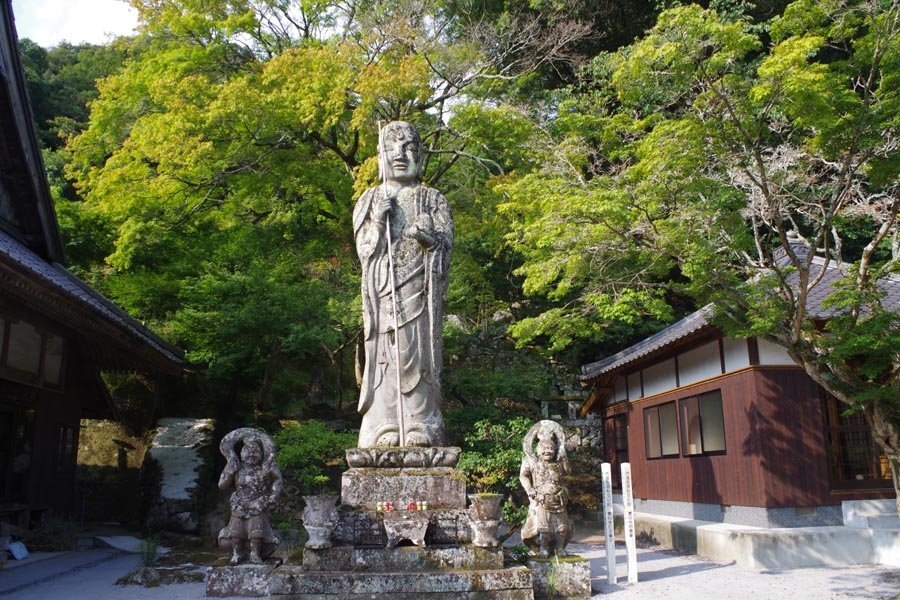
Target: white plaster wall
(659, 378)
(619, 392)
(770, 354)
(736, 354)
(634, 386)
(699, 364)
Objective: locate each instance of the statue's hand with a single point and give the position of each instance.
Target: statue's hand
(423, 230)
(383, 206)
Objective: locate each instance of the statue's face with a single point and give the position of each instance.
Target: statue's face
(251, 454)
(401, 155)
(547, 452)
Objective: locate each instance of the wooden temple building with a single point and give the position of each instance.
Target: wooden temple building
(732, 430)
(57, 334)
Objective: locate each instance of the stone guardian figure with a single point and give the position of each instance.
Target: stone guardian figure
(404, 237)
(547, 529)
(257, 481)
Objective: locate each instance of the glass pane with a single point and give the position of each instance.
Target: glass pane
(53, 359)
(24, 348)
(651, 432)
(690, 419)
(713, 422)
(668, 429)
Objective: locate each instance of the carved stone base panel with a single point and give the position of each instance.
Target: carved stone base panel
(404, 558)
(503, 584)
(566, 578)
(441, 487)
(385, 456)
(366, 528)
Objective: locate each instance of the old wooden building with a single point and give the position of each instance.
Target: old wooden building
(732, 430)
(57, 334)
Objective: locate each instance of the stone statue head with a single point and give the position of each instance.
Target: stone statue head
(400, 153)
(252, 453)
(547, 449)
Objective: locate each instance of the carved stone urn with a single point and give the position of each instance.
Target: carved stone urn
(484, 518)
(319, 519)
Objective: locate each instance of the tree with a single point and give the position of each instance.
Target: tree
(223, 160)
(693, 163)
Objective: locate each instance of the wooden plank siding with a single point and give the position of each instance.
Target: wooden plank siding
(775, 448)
(791, 432)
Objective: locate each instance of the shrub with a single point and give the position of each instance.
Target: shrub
(306, 451)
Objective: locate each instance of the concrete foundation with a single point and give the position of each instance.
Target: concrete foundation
(759, 548)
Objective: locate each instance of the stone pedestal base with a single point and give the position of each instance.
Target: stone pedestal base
(366, 528)
(295, 583)
(441, 487)
(564, 578)
(404, 558)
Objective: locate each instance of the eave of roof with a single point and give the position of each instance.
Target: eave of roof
(691, 324)
(700, 320)
(57, 279)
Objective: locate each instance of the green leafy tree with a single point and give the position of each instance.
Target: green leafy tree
(693, 163)
(223, 160)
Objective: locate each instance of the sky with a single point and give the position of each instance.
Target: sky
(49, 22)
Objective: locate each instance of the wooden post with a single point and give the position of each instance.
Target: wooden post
(609, 523)
(630, 542)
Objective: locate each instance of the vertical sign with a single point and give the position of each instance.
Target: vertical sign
(628, 501)
(609, 524)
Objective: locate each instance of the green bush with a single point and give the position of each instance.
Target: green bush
(492, 454)
(308, 451)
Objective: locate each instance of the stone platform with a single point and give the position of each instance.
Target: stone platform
(371, 556)
(261, 581)
(441, 487)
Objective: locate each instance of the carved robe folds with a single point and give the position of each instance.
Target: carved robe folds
(420, 276)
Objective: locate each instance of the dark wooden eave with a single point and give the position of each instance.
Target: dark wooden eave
(21, 166)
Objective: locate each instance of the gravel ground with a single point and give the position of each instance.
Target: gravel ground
(662, 574)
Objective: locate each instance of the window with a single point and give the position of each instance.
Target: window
(31, 355)
(661, 430)
(856, 461)
(25, 347)
(703, 426)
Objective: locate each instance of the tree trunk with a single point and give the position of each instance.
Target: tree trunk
(883, 421)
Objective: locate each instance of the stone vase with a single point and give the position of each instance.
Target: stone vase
(484, 518)
(319, 519)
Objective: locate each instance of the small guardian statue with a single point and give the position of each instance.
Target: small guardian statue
(547, 529)
(257, 481)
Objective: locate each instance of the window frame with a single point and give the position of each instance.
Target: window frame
(685, 435)
(645, 414)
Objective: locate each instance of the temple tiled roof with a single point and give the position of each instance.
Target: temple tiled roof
(696, 322)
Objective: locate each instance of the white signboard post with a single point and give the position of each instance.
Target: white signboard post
(628, 502)
(609, 524)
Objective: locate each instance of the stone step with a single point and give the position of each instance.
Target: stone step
(883, 522)
(874, 514)
(403, 558)
(513, 583)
